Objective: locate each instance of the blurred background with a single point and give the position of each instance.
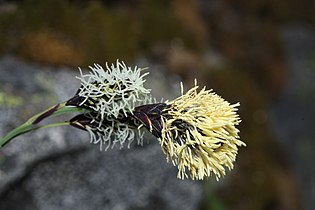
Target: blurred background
(256, 52)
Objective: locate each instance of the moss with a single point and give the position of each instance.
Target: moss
(89, 33)
(49, 47)
(158, 24)
(106, 35)
(8, 33)
(9, 100)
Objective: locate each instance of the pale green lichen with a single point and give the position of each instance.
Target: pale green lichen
(9, 100)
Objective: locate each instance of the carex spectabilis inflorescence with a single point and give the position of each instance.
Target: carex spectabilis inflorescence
(197, 131)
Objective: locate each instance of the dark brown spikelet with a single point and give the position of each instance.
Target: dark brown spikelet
(45, 114)
(150, 116)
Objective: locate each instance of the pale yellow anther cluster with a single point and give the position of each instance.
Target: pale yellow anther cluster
(209, 144)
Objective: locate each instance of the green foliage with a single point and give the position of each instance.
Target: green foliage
(90, 33)
(7, 32)
(210, 200)
(157, 24)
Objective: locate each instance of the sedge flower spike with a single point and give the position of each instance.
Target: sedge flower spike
(196, 132)
(114, 91)
(110, 95)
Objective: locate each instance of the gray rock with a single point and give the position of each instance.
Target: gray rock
(57, 168)
(293, 113)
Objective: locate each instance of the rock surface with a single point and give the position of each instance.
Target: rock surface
(57, 168)
(293, 113)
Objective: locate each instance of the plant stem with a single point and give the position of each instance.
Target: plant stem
(53, 125)
(32, 123)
